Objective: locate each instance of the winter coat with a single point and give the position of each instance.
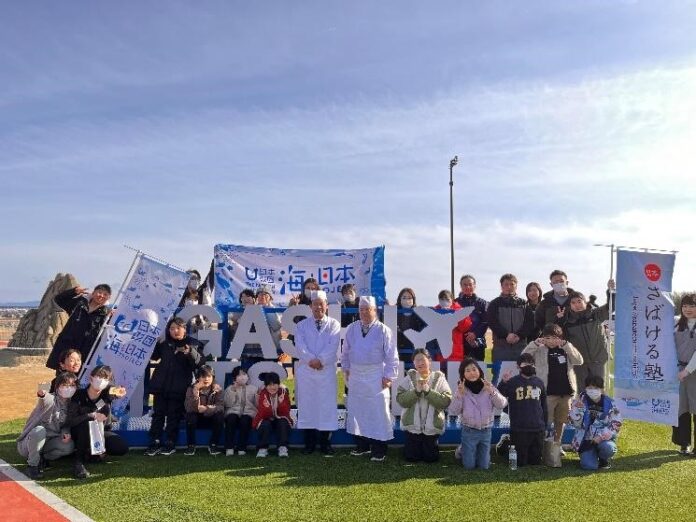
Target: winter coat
(174, 373)
(541, 361)
(264, 407)
(240, 400)
(424, 412)
(586, 331)
(210, 397)
(608, 422)
(477, 410)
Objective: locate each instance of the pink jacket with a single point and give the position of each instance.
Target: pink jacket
(475, 410)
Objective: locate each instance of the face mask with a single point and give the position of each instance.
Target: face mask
(406, 302)
(528, 370)
(445, 303)
(349, 298)
(559, 288)
(193, 283)
(242, 379)
(99, 383)
(66, 391)
(308, 293)
(593, 393)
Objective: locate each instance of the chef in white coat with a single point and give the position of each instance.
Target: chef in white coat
(317, 342)
(370, 363)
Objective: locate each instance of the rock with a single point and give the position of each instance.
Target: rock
(40, 327)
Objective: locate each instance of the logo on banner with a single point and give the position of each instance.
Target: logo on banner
(653, 272)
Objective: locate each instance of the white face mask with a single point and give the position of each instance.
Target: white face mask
(308, 293)
(99, 383)
(193, 283)
(349, 298)
(406, 302)
(559, 288)
(593, 393)
(445, 303)
(242, 379)
(66, 391)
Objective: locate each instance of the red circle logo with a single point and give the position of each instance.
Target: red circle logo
(652, 272)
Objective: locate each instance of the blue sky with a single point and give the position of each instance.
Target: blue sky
(175, 126)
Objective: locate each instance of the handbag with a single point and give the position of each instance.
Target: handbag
(552, 453)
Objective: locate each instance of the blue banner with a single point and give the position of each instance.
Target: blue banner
(284, 271)
(148, 299)
(646, 386)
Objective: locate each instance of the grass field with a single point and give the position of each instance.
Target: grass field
(648, 481)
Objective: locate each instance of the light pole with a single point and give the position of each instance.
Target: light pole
(453, 162)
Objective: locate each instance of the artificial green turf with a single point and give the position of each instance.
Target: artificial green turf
(648, 481)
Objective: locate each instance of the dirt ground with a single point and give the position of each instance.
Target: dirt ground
(19, 378)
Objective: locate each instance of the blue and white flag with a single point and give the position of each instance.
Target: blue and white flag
(284, 271)
(646, 386)
(148, 299)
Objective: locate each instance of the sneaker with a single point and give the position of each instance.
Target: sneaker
(604, 464)
(563, 453)
(44, 464)
(358, 452)
(328, 451)
(35, 472)
(80, 471)
(378, 459)
(229, 453)
(684, 451)
(190, 450)
(283, 451)
(213, 450)
(458, 452)
(153, 449)
(169, 449)
(241, 452)
(262, 453)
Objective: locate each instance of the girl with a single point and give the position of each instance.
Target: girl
(308, 286)
(70, 360)
(94, 403)
(425, 395)
(406, 320)
(685, 340)
(204, 409)
(46, 435)
(178, 355)
(475, 402)
(534, 296)
(349, 299)
(240, 409)
(273, 415)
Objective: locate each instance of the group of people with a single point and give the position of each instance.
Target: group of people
(556, 339)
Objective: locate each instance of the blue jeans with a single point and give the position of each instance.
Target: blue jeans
(476, 447)
(605, 450)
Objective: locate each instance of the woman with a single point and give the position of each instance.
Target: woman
(685, 340)
(534, 296)
(424, 395)
(94, 403)
(406, 319)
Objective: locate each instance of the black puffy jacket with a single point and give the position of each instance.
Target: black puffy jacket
(174, 373)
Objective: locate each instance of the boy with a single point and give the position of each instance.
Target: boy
(554, 359)
(597, 422)
(554, 305)
(584, 328)
(526, 397)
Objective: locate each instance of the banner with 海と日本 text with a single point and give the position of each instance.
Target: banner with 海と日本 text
(284, 271)
(646, 386)
(148, 299)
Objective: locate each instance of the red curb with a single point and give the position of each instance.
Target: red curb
(16, 503)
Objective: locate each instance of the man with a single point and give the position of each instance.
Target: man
(475, 338)
(555, 304)
(510, 320)
(87, 315)
(317, 341)
(370, 364)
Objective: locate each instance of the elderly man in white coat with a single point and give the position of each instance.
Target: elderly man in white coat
(370, 363)
(317, 341)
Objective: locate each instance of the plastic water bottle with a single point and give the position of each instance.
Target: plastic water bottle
(513, 458)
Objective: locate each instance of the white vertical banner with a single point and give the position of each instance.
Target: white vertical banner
(148, 299)
(646, 386)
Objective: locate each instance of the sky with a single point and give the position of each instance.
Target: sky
(172, 127)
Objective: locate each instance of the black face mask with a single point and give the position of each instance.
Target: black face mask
(474, 386)
(528, 370)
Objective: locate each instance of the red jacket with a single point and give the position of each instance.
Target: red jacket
(458, 332)
(265, 407)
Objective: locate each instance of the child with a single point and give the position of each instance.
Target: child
(349, 299)
(46, 435)
(510, 321)
(240, 409)
(69, 360)
(406, 319)
(584, 328)
(475, 403)
(685, 340)
(597, 422)
(178, 357)
(526, 395)
(252, 353)
(273, 415)
(446, 302)
(554, 359)
(424, 395)
(94, 403)
(204, 409)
